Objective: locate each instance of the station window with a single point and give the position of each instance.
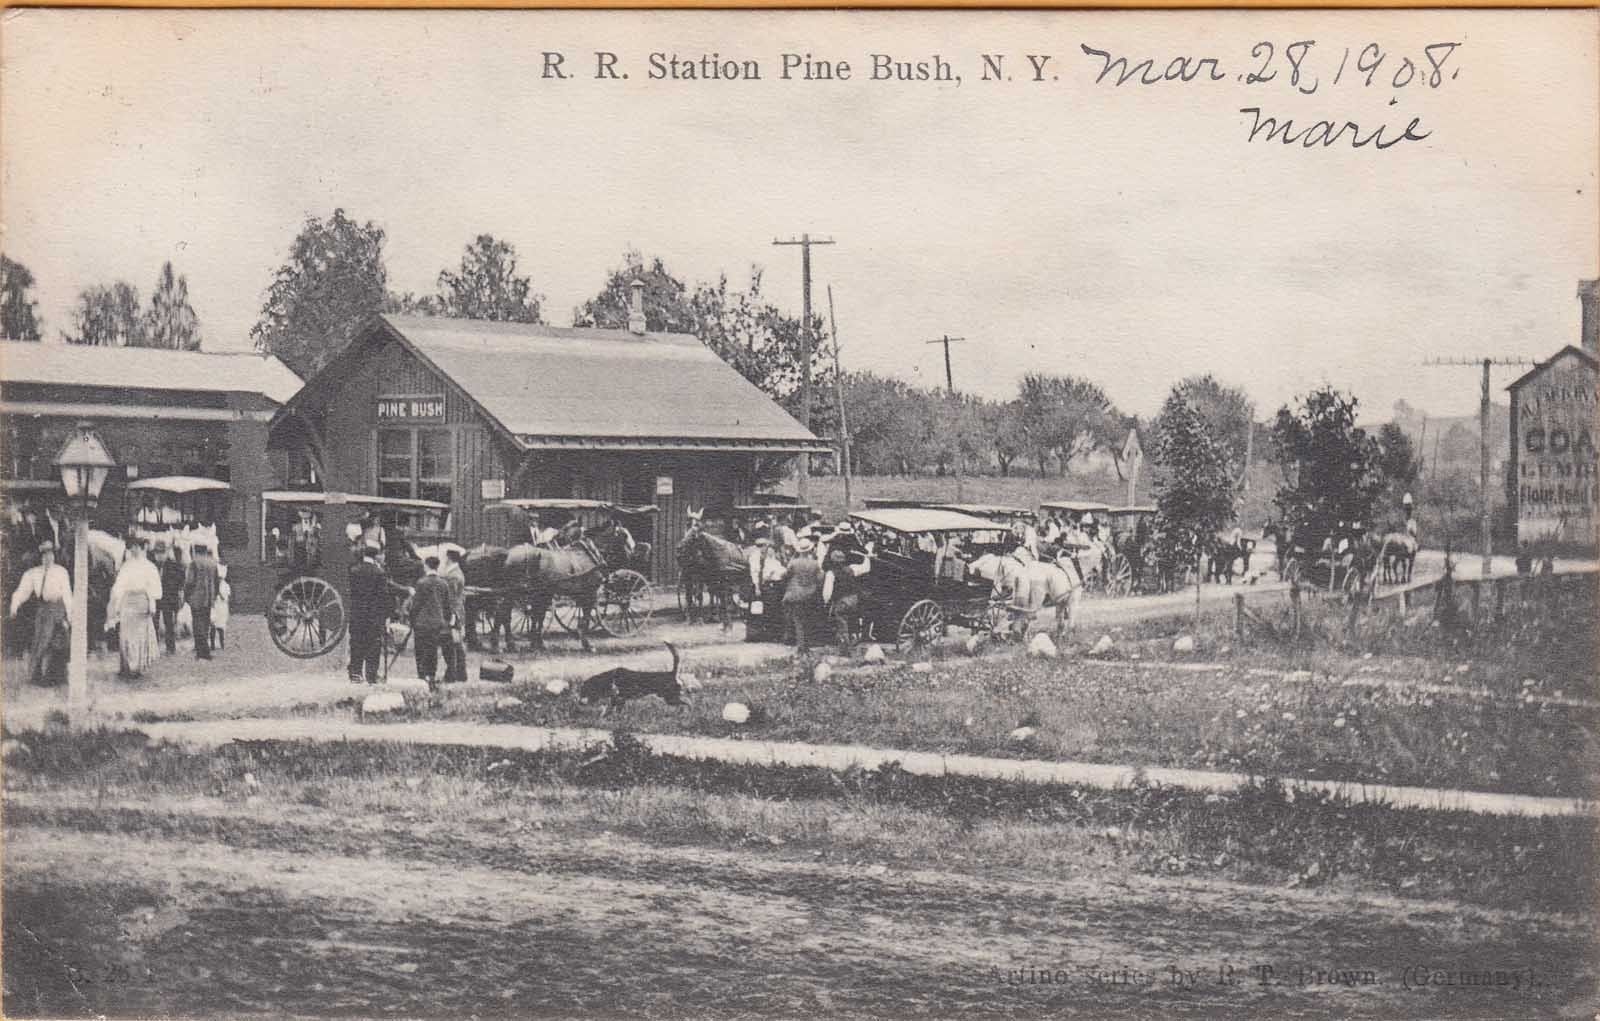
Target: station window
(415, 463)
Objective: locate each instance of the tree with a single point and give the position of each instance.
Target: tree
(1064, 416)
(171, 322)
(333, 280)
(107, 316)
(1398, 458)
(1003, 428)
(487, 285)
(668, 304)
(1194, 492)
(18, 320)
(1333, 469)
(1225, 412)
(411, 304)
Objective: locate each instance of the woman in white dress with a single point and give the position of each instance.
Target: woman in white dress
(133, 606)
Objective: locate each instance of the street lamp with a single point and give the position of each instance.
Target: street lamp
(84, 465)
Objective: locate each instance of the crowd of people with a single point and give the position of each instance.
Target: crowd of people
(138, 589)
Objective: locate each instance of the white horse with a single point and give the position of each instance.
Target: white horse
(1031, 587)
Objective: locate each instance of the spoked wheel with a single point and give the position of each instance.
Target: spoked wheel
(1352, 582)
(921, 625)
(565, 611)
(306, 618)
(625, 603)
(1117, 574)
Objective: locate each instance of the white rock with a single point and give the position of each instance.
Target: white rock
(878, 870)
(1023, 733)
(1463, 668)
(383, 702)
(1298, 677)
(11, 748)
(251, 782)
(874, 654)
(1184, 644)
(1103, 646)
(973, 643)
(821, 672)
(736, 712)
(557, 687)
(413, 782)
(408, 685)
(1042, 647)
(507, 702)
(922, 668)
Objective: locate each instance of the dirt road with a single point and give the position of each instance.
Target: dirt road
(222, 907)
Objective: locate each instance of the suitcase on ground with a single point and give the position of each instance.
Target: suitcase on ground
(495, 670)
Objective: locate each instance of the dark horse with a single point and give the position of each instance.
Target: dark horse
(712, 566)
(532, 576)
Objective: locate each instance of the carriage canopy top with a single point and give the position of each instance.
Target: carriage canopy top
(1143, 508)
(180, 484)
(924, 519)
(753, 509)
(983, 510)
(313, 497)
(532, 503)
(1078, 506)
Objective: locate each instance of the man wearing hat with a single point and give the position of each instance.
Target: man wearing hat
(802, 592)
(767, 572)
(370, 591)
(200, 586)
(51, 586)
(173, 577)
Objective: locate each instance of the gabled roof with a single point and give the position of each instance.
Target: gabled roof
(147, 368)
(1569, 349)
(550, 386)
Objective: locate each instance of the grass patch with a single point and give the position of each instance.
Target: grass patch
(1260, 834)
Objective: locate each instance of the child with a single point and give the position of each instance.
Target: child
(219, 609)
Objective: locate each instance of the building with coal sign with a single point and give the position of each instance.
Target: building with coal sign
(1551, 478)
(470, 412)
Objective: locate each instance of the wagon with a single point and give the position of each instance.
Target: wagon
(1112, 572)
(625, 600)
(903, 599)
(311, 538)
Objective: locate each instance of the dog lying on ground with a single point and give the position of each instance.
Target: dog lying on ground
(621, 684)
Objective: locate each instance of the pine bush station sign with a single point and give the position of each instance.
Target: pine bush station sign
(423, 408)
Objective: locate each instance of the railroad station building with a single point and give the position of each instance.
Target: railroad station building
(1551, 478)
(468, 412)
(159, 413)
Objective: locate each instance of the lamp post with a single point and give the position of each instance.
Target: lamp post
(84, 465)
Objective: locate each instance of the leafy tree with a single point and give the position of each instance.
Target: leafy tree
(333, 280)
(487, 285)
(886, 437)
(1064, 416)
(107, 316)
(1194, 493)
(171, 321)
(1397, 457)
(18, 320)
(1333, 469)
(411, 304)
(668, 305)
(1002, 427)
(1225, 412)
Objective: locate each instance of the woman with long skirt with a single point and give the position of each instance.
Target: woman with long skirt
(133, 606)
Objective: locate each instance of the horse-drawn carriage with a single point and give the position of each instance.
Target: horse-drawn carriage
(918, 584)
(588, 576)
(313, 539)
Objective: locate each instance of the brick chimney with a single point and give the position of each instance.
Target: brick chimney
(1589, 296)
(636, 306)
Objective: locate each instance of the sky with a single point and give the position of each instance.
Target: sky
(1134, 235)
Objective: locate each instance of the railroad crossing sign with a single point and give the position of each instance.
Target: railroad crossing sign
(1132, 458)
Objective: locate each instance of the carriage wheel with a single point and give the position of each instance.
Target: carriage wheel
(307, 618)
(921, 625)
(1117, 575)
(565, 611)
(1352, 582)
(625, 603)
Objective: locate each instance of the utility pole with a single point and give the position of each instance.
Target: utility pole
(1485, 521)
(805, 242)
(838, 392)
(950, 395)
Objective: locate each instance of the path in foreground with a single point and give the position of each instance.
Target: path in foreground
(222, 907)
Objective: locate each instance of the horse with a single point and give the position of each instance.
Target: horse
(538, 575)
(711, 565)
(1399, 555)
(1032, 586)
(1224, 554)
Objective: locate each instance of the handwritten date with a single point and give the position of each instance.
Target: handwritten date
(1298, 64)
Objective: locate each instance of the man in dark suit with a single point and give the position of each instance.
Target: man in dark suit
(200, 585)
(371, 592)
(431, 614)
